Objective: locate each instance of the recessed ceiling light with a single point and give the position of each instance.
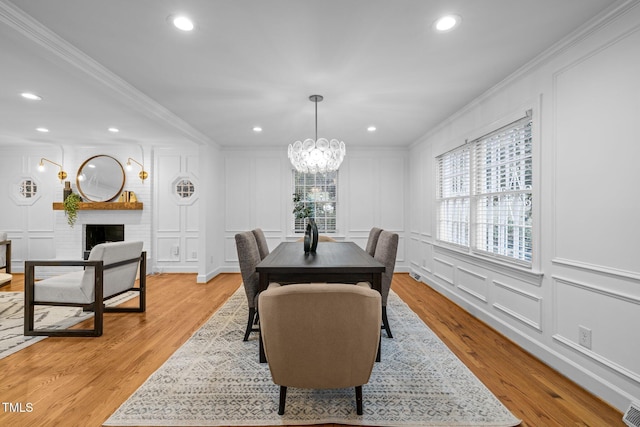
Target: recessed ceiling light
(43, 130)
(371, 128)
(182, 22)
(114, 130)
(257, 129)
(447, 23)
(31, 96)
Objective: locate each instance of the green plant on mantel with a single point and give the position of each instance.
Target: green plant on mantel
(71, 208)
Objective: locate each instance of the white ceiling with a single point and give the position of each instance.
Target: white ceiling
(100, 63)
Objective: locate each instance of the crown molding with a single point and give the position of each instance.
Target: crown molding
(30, 28)
(593, 25)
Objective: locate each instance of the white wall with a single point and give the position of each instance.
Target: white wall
(372, 190)
(585, 96)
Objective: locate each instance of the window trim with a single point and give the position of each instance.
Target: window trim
(335, 203)
(532, 266)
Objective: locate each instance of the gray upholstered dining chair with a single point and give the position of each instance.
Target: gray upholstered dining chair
(374, 235)
(386, 250)
(263, 248)
(320, 336)
(249, 258)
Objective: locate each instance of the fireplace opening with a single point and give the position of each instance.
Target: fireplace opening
(101, 233)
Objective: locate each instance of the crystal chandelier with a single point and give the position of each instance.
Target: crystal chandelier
(320, 155)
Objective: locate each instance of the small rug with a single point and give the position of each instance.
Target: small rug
(12, 337)
(215, 379)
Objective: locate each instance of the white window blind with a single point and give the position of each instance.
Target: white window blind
(485, 193)
(453, 196)
(503, 191)
(318, 191)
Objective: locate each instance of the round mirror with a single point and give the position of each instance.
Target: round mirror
(100, 178)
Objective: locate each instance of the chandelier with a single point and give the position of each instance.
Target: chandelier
(319, 155)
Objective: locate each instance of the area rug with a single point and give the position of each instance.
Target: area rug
(215, 379)
(12, 337)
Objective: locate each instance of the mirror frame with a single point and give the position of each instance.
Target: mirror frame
(79, 182)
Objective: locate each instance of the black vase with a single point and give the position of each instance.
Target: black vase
(314, 235)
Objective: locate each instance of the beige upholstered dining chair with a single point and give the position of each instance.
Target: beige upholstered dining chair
(261, 240)
(320, 336)
(249, 258)
(374, 234)
(386, 250)
(110, 271)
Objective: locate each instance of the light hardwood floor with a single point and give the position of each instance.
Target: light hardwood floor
(82, 381)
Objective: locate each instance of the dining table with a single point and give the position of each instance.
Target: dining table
(332, 262)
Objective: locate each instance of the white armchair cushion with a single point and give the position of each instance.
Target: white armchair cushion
(78, 287)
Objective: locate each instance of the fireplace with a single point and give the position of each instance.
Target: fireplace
(101, 233)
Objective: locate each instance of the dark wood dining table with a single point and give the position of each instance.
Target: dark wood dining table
(333, 262)
(339, 262)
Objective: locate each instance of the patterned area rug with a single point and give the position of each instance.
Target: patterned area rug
(12, 319)
(215, 379)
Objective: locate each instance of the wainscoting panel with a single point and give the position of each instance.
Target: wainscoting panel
(603, 312)
(269, 199)
(522, 306)
(588, 232)
(443, 270)
(191, 245)
(168, 249)
(473, 283)
(239, 194)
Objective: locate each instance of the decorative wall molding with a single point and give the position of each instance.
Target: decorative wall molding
(44, 37)
(623, 274)
(598, 289)
(518, 316)
(598, 358)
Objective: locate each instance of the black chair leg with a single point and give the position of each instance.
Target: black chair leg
(252, 314)
(359, 400)
(283, 399)
(385, 321)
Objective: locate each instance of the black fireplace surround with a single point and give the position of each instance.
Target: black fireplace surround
(101, 233)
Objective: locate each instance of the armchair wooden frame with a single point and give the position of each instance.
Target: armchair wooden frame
(98, 308)
(7, 259)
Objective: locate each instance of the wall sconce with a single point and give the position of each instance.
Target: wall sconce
(61, 174)
(143, 174)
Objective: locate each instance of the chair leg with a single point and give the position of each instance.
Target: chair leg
(359, 399)
(385, 321)
(283, 399)
(252, 314)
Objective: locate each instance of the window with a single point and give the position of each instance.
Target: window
(28, 188)
(485, 193)
(185, 188)
(318, 193)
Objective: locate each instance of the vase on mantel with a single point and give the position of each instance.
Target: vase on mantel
(66, 191)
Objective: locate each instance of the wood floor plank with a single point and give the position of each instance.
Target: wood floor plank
(82, 381)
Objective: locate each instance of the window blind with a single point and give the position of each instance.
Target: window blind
(317, 191)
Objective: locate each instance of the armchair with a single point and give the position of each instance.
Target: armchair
(110, 271)
(5, 259)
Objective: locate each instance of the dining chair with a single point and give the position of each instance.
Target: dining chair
(249, 258)
(374, 234)
(320, 336)
(263, 248)
(386, 250)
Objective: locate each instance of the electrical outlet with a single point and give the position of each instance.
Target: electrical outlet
(584, 337)
(194, 254)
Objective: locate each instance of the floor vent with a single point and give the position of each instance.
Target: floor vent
(416, 276)
(632, 416)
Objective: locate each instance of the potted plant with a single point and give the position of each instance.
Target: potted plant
(70, 205)
(302, 210)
